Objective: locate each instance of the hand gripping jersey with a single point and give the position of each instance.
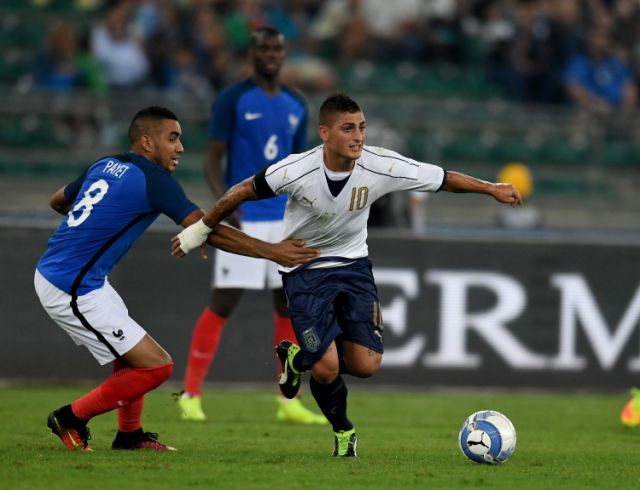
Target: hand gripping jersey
(115, 201)
(259, 129)
(338, 225)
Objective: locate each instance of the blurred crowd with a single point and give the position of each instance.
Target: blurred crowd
(543, 51)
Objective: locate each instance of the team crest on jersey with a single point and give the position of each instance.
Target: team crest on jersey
(293, 121)
(310, 340)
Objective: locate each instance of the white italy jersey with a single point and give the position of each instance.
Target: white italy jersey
(338, 225)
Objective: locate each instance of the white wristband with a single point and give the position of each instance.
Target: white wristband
(193, 236)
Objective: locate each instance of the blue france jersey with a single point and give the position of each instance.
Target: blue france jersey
(260, 129)
(115, 201)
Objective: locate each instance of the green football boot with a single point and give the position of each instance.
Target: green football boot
(293, 411)
(289, 382)
(345, 444)
(191, 408)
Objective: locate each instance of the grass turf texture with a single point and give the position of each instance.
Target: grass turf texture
(406, 440)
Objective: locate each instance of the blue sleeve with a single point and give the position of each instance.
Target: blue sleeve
(299, 144)
(165, 195)
(300, 139)
(223, 116)
(71, 190)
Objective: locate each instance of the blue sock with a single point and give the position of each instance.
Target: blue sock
(332, 400)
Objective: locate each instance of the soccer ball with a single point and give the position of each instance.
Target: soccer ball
(487, 437)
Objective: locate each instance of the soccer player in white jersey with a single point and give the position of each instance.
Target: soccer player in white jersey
(333, 298)
(106, 209)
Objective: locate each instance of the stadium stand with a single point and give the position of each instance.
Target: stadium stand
(447, 105)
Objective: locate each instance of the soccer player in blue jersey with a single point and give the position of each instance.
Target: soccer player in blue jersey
(106, 210)
(333, 299)
(254, 123)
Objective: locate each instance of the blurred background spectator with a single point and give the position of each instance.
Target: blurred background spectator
(598, 79)
(63, 64)
(118, 49)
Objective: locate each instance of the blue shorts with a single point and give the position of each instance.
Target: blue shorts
(331, 302)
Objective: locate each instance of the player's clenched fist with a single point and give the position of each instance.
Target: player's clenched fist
(508, 194)
(189, 239)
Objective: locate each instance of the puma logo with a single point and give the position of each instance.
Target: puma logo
(308, 201)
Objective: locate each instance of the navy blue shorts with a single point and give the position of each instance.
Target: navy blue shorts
(325, 303)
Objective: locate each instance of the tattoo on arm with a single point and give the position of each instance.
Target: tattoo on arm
(228, 203)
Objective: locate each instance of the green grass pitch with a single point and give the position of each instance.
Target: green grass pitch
(406, 440)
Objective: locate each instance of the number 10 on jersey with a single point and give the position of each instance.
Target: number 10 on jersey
(359, 198)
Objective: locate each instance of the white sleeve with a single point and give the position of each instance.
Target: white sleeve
(282, 176)
(276, 177)
(406, 174)
(430, 177)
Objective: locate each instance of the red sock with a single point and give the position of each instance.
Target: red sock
(204, 345)
(283, 331)
(129, 415)
(124, 386)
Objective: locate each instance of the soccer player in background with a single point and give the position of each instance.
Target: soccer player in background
(333, 298)
(106, 210)
(253, 123)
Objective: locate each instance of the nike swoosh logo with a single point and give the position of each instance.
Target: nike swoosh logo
(201, 355)
(250, 116)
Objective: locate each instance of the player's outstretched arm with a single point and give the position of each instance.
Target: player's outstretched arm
(229, 202)
(289, 253)
(196, 234)
(504, 193)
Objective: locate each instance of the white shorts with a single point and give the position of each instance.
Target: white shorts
(101, 322)
(239, 271)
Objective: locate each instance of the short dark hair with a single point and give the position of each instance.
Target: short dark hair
(265, 31)
(339, 102)
(139, 122)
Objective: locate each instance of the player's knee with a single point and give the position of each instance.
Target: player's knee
(222, 310)
(364, 368)
(165, 358)
(163, 373)
(223, 301)
(157, 359)
(363, 372)
(157, 375)
(325, 373)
